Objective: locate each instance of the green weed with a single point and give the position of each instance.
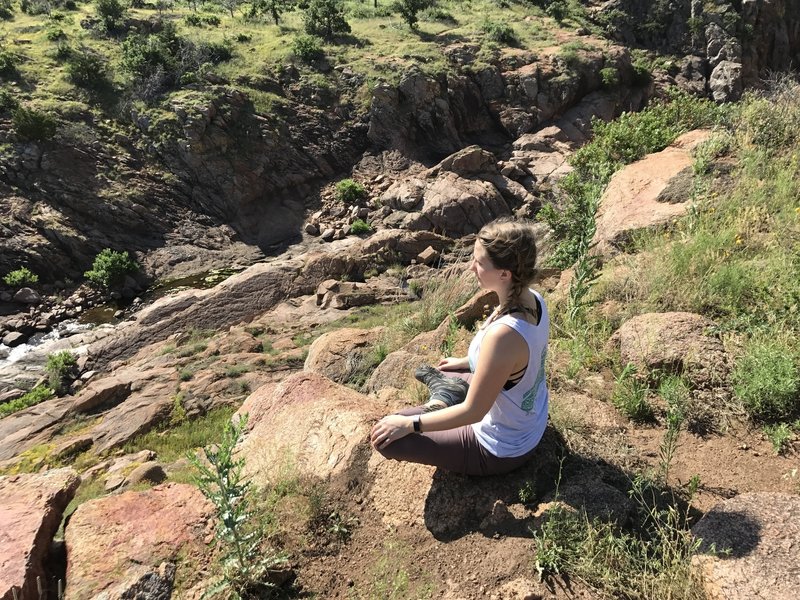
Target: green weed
(780, 436)
(38, 394)
(630, 396)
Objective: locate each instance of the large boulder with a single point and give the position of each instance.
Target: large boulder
(344, 354)
(726, 81)
(31, 510)
(309, 424)
(134, 541)
(751, 548)
(674, 342)
(450, 505)
(651, 192)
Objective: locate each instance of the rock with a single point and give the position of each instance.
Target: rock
(137, 415)
(15, 338)
(428, 256)
(27, 296)
(10, 395)
(73, 446)
(762, 532)
(651, 192)
(450, 505)
(472, 161)
(35, 425)
(106, 392)
(166, 522)
(312, 229)
(675, 342)
(114, 482)
(344, 355)
(317, 426)
(151, 472)
(725, 82)
(32, 508)
(328, 234)
(692, 76)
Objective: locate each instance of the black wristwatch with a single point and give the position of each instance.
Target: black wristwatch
(417, 424)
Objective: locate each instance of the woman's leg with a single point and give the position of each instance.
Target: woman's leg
(456, 450)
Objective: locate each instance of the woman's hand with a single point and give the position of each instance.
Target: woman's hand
(451, 363)
(389, 429)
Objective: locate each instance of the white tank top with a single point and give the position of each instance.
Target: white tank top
(517, 419)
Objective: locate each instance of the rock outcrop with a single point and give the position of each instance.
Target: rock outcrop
(651, 192)
(119, 546)
(344, 354)
(750, 548)
(32, 508)
(675, 342)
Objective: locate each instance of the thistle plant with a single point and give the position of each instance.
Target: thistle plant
(245, 566)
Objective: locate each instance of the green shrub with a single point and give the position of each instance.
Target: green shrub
(110, 268)
(38, 394)
(35, 7)
(350, 192)
(439, 14)
(557, 10)
(307, 48)
(325, 18)
(6, 10)
(359, 226)
(193, 20)
(780, 436)
(766, 379)
(33, 125)
(60, 369)
(502, 33)
(8, 64)
(630, 396)
(111, 13)
(610, 77)
(55, 34)
(7, 101)
(87, 69)
(20, 278)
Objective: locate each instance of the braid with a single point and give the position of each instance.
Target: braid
(511, 245)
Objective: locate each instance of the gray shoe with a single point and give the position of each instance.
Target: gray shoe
(450, 390)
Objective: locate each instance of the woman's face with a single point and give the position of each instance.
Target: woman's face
(489, 277)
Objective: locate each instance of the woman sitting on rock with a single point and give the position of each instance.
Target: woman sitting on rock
(497, 426)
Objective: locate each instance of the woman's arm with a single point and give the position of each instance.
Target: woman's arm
(451, 363)
(503, 352)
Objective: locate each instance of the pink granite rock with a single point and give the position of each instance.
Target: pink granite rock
(31, 507)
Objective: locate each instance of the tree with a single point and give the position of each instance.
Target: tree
(409, 8)
(275, 8)
(325, 18)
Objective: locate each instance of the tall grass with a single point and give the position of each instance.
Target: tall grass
(736, 257)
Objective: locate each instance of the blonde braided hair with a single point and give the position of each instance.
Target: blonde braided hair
(511, 245)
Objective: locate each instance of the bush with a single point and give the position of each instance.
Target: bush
(610, 77)
(20, 278)
(60, 369)
(6, 10)
(350, 192)
(111, 13)
(557, 10)
(766, 380)
(87, 69)
(33, 125)
(630, 396)
(38, 394)
(325, 18)
(55, 34)
(360, 226)
(502, 33)
(436, 13)
(35, 7)
(110, 268)
(7, 101)
(307, 48)
(8, 64)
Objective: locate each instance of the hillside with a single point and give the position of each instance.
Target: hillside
(340, 181)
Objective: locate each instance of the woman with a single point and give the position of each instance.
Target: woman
(497, 426)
